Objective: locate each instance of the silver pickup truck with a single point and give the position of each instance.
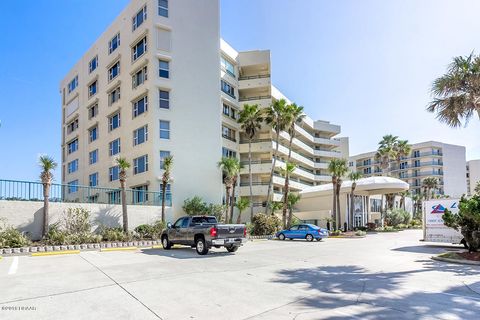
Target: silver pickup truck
(203, 233)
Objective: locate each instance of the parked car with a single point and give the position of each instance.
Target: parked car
(203, 233)
(303, 231)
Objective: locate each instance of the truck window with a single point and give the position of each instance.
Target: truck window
(178, 223)
(198, 220)
(185, 223)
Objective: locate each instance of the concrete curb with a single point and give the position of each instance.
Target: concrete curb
(261, 237)
(54, 253)
(343, 237)
(458, 261)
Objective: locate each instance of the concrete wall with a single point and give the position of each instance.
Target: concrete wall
(474, 171)
(454, 170)
(27, 216)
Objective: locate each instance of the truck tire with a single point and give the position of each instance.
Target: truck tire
(281, 236)
(232, 248)
(201, 246)
(309, 237)
(165, 243)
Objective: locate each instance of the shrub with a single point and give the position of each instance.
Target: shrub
(467, 221)
(397, 216)
(195, 206)
(12, 238)
(416, 223)
(336, 232)
(371, 226)
(401, 226)
(216, 210)
(360, 233)
(150, 231)
(263, 224)
(116, 234)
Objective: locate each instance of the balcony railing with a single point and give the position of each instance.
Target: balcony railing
(258, 76)
(229, 138)
(245, 163)
(33, 191)
(254, 98)
(255, 141)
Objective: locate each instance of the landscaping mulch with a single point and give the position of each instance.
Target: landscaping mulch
(473, 256)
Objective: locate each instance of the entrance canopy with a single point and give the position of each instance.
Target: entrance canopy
(365, 187)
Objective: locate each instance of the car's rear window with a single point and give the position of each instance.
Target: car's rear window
(197, 220)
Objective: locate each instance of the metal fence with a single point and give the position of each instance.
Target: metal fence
(33, 191)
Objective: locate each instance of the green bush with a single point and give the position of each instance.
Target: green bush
(150, 231)
(335, 232)
(386, 229)
(116, 234)
(416, 223)
(397, 216)
(263, 224)
(467, 221)
(195, 206)
(12, 238)
(360, 233)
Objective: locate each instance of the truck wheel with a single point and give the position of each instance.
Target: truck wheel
(281, 236)
(232, 248)
(201, 246)
(309, 237)
(166, 244)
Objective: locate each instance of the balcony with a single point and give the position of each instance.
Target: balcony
(253, 98)
(255, 81)
(229, 138)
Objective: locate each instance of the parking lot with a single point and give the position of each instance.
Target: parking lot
(383, 276)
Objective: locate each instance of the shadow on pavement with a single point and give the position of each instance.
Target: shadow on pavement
(432, 249)
(185, 253)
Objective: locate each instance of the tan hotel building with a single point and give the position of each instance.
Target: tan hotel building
(154, 84)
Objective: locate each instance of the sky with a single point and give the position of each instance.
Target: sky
(364, 65)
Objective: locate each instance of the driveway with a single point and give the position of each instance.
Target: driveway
(383, 276)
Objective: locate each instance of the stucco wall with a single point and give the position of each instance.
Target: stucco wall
(27, 215)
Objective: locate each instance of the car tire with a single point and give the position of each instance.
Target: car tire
(319, 239)
(281, 236)
(309, 237)
(232, 248)
(166, 244)
(201, 246)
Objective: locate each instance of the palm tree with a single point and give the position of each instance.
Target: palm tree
(337, 168)
(242, 204)
(353, 176)
(47, 164)
(401, 150)
(457, 93)
(167, 168)
(293, 198)
(477, 188)
(250, 119)
(277, 118)
(289, 169)
(386, 152)
(417, 202)
(430, 184)
(275, 206)
(123, 165)
(230, 168)
(403, 195)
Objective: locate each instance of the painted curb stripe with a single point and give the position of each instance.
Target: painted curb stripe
(157, 246)
(54, 253)
(118, 249)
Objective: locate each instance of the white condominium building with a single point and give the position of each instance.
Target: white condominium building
(156, 84)
(473, 175)
(446, 162)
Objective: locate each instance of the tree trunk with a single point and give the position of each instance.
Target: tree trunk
(382, 215)
(339, 214)
(250, 177)
(285, 201)
(334, 206)
(232, 199)
(227, 200)
(164, 189)
(352, 202)
(270, 184)
(46, 195)
(290, 216)
(239, 217)
(124, 207)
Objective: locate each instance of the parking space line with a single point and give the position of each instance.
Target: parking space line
(118, 249)
(14, 266)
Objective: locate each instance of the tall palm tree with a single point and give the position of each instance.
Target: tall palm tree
(275, 206)
(289, 169)
(401, 150)
(457, 93)
(353, 176)
(337, 168)
(123, 165)
(293, 199)
(386, 152)
(250, 120)
(230, 168)
(430, 184)
(47, 164)
(167, 168)
(403, 195)
(417, 200)
(277, 118)
(242, 204)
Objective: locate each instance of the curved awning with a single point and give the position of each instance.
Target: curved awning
(365, 186)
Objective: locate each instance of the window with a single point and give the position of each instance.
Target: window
(163, 8)
(93, 64)
(367, 170)
(73, 186)
(73, 166)
(114, 121)
(92, 89)
(72, 126)
(72, 85)
(227, 153)
(139, 18)
(367, 162)
(93, 111)
(114, 71)
(114, 43)
(113, 173)
(140, 194)
(164, 99)
(140, 106)
(416, 153)
(72, 146)
(416, 163)
(140, 135)
(164, 129)
(228, 88)
(93, 133)
(140, 164)
(139, 49)
(164, 69)
(229, 111)
(139, 77)
(114, 96)
(227, 66)
(93, 179)
(114, 147)
(93, 156)
(113, 197)
(163, 154)
(228, 133)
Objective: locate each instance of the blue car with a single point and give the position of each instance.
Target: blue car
(303, 231)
